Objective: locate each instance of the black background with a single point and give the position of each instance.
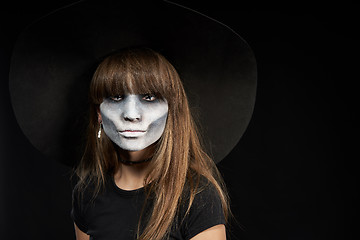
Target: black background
(288, 177)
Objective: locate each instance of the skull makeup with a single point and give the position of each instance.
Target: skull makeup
(134, 121)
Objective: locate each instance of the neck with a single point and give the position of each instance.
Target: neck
(135, 157)
(134, 167)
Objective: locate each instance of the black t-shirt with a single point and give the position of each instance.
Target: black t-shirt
(114, 214)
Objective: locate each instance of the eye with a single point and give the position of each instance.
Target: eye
(116, 98)
(149, 97)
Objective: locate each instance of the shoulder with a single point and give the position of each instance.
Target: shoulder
(203, 192)
(80, 200)
(83, 196)
(88, 189)
(206, 194)
(206, 209)
(83, 192)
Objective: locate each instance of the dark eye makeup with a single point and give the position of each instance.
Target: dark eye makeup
(116, 98)
(148, 97)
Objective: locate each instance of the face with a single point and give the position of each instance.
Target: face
(134, 121)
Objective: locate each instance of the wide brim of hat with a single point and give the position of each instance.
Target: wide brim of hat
(54, 58)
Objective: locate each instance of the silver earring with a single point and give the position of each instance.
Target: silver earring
(99, 132)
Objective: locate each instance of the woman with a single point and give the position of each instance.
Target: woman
(144, 174)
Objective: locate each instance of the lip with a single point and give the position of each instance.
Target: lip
(130, 130)
(132, 133)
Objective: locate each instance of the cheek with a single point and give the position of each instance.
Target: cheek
(109, 114)
(158, 113)
(157, 125)
(108, 120)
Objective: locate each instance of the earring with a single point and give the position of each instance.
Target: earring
(99, 132)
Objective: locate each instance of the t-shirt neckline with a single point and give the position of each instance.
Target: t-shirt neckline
(126, 193)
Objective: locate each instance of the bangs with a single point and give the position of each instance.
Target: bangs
(132, 72)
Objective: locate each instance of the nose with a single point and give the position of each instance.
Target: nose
(131, 110)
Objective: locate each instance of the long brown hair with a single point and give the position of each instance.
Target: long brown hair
(179, 161)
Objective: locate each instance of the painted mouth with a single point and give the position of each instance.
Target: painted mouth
(132, 133)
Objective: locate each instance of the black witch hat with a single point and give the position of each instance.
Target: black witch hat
(55, 57)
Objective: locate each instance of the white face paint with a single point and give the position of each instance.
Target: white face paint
(134, 122)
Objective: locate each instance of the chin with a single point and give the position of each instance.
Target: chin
(132, 147)
(134, 144)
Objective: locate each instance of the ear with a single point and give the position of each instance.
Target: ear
(99, 115)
